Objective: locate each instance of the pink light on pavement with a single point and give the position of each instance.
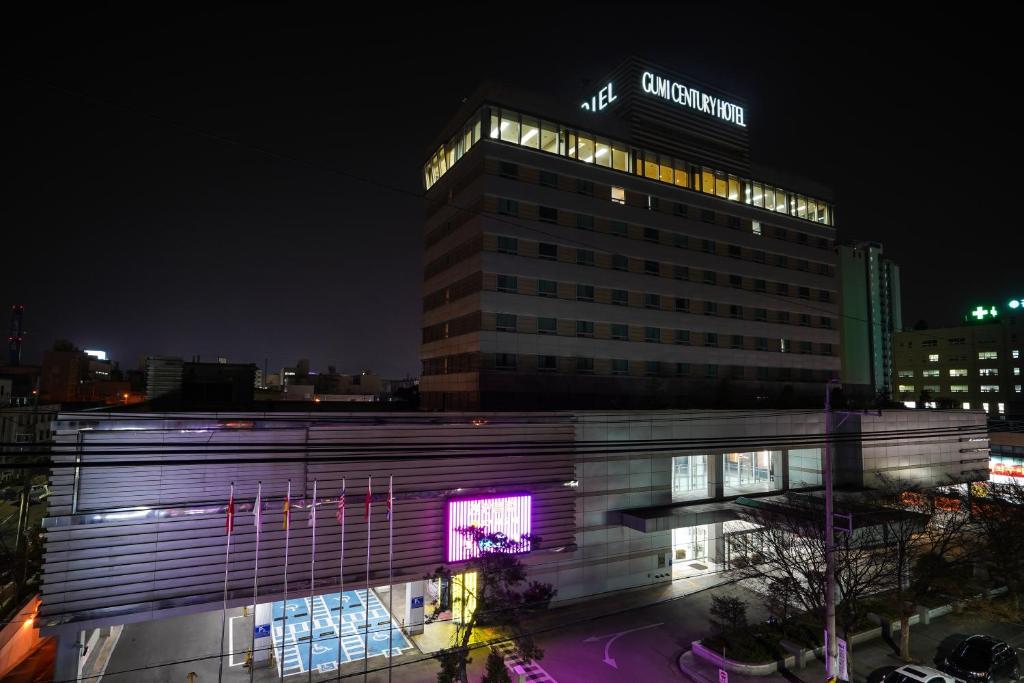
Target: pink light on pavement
(509, 515)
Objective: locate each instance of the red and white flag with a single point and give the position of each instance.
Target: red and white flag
(369, 497)
(229, 525)
(287, 508)
(339, 514)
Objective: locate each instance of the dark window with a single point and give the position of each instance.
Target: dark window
(509, 170)
(652, 203)
(804, 292)
(737, 341)
(651, 368)
(620, 366)
(683, 337)
(547, 363)
(733, 222)
(547, 326)
(681, 272)
(826, 349)
(547, 213)
(584, 221)
(782, 288)
(707, 246)
(584, 292)
(508, 245)
(585, 365)
(584, 187)
(584, 257)
(760, 286)
(760, 314)
(780, 233)
(547, 288)
(805, 347)
(620, 331)
(735, 311)
(710, 308)
(805, 320)
(735, 281)
(783, 316)
(620, 297)
(824, 296)
(735, 251)
(507, 283)
(651, 267)
(681, 209)
(761, 344)
(505, 322)
(682, 305)
(682, 369)
(505, 361)
(826, 322)
(619, 228)
(508, 207)
(711, 371)
(710, 277)
(759, 256)
(822, 243)
(710, 339)
(652, 334)
(802, 265)
(680, 241)
(652, 235)
(584, 328)
(707, 216)
(548, 179)
(547, 251)
(801, 237)
(652, 301)
(781, 261)
(620, 262)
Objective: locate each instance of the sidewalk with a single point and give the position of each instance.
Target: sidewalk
(871, 660)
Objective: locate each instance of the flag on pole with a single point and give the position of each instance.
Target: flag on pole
(339, 514)
(287, 508)
(369, 497)
(312, 508)
(257, 510)
(391, 497)
(229, 525)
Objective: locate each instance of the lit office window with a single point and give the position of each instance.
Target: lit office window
(620, 158)
(933, 388)
(603, 153)
(930, 373)
(984, 406)
(1016, 388)
(665, 169)
(988, 372)
(681, 175)
(751, 472)
(755, 227)
(734, 188)
(618, 195)
(1015, 353)
(707, 181)
(530, 132)
(958, 388)
(549, 137)
(989, 388)
(988, 355)
(509, 127)
(967, 406)
(958, 372)
(690, 476)
(586, 148)
(906, 388)
(1002, 408)
(933, 358)
(1016, 372)
(905, 374)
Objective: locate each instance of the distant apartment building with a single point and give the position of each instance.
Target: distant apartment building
(620, 254)
(974, 366)
(163, 376)
(871, 314)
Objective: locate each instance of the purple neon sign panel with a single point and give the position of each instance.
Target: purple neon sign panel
(509, 515)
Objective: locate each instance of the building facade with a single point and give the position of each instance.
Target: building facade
(618, 500)
(620, 255)
(975, 366)
(871, 314)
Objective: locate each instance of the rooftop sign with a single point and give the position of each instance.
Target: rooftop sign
(685, 96)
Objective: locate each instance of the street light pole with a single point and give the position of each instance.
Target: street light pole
(832, 646)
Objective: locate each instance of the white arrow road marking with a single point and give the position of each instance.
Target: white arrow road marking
(612, 637)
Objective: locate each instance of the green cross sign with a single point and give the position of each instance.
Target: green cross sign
(980, 312)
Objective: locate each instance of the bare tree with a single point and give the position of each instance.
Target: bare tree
(999, 523)
(922, 546)
(502, 597)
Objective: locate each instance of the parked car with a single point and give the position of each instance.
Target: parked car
(912, 673)
(40, 492)
(983, 659)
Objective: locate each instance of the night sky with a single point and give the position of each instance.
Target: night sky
(185, 183)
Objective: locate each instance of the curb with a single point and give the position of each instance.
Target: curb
(689, 671)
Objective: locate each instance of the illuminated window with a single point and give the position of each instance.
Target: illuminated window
(930, 373)
(958, 372)
(1016, 388)
(603, 153)
(620, 158)
(988, 372)
(509, 127)
(967, 406)
(530, 133)
(586, 148)
(1015, 353)
(1016, 371)
(958, 388)
(989, 388)
(933, 388)
(984, 406)
(548, 137)
(988, 355)
(618, 195)
(681, 176)
(1002, 408)
(905, 374)
(707, 181)
(933, 358)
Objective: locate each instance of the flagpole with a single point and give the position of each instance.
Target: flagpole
(284, 623)
(341, 572)
(257, 511)
(366, 597)
(312, 566)
(229, 527)
(391, 585)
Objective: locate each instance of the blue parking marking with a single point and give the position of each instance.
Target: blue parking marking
(338, 634)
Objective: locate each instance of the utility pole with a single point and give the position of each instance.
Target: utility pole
(832, 653)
